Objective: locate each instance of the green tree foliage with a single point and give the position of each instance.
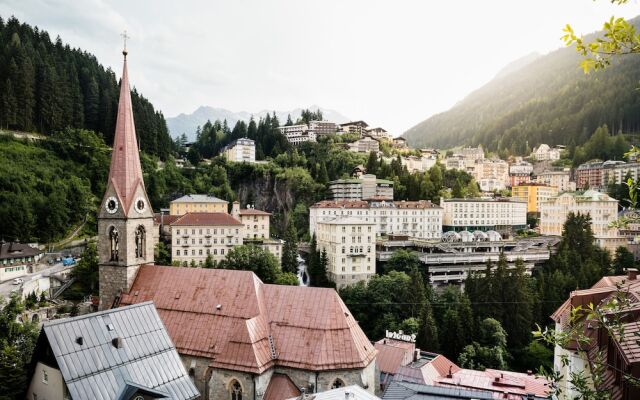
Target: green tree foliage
(454, 319)
(287, 278)
(86, 271)
(490, 351)
(162, 254)
(252, 258)
(601, 145)
(290, 249)
(17, 341)
(47, 86)
(622, 260)
(402, 261)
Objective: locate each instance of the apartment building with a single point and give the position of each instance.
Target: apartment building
(544, 152)
(255, 222)
(503, 215)
(194, 236)
(379, 133)
(419, 219)
(589, 175)
(323, 128)
(200, 203)
(491, 174)
(534, 194)
(559, 179)
(365, 145)
(365, 187)
(472, 153)
(355, 127)
(297, 134)
(399, 143)
(350, 245)
(240, 150)
(521, 167)
(602, 208)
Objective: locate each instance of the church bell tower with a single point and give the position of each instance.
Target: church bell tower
(125, 217)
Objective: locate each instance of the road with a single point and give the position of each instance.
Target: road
(7, 286)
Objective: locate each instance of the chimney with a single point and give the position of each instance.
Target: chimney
(450, 374)
(529, 372)
(632, 274)
(235, 209)
(117, 342)
(416, 354)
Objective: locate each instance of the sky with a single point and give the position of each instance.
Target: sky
(391, 63)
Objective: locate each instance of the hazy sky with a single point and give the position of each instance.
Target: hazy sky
(392, 63)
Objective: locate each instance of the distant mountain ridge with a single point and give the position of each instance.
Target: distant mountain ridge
(539, 99)
(188, 123)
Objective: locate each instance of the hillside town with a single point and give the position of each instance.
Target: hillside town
(489, 252)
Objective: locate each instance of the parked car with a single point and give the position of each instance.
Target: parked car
(18, 281)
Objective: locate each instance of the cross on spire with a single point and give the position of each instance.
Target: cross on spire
(125, 37)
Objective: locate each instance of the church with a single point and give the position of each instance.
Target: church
(237, 337)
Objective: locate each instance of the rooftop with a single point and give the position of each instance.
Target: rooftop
(198, 198)
(241, 324)
(94, 367)
(204, 219)
(12, 250)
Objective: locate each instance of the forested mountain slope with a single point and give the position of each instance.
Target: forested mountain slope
(47, 86)
(549, 100)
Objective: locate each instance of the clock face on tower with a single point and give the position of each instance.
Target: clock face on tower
(111, 205)
(140, 205)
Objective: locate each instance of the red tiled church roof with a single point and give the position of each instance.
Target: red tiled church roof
(228, 316)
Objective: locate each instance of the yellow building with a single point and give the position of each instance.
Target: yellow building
(534, 195)
(200, 203)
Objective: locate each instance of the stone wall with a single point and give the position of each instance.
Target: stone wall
(221, 381)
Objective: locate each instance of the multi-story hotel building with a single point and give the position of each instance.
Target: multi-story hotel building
(491, 174)
(255, 222)
(502, 215)
(321, 128)
(589, 175)
(354, 127)
(350, 244)
(379, 133)
(544, 152)
(419, 219)
(365, 187)
(297, 134)
(241, 150)
(200, 203)
(194, 236)
(602, 208)
(365, 145)
(534, 194)
(559, 179)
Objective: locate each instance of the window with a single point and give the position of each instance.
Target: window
(200, 252)
(141, 241)
(222, 251)
(178, 231)
(177, 252)
(338, 383)
(236, 390)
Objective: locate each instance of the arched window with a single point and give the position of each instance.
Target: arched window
(338, 383)
(236, 390)
(141, 241)
(113, 240)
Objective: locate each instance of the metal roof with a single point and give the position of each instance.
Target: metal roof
(354, 392)
(94, 368)
(405, 390)
(198, 198)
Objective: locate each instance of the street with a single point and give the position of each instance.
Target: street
(7, 287)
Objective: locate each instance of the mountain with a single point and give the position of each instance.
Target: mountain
(46, 86)
(545, 99)
(188, 123)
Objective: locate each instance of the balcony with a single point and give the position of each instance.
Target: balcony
(185, 245)
(186, 235)
(207, 245)
(208, 235)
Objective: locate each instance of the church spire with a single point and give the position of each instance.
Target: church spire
(125, 172)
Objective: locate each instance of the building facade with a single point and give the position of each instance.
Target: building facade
(491, 174)
(297, 134)
(559, 179)
(365, 187)
(200, 203)
(544, 152)
(323, 128)
(241, 150)
(503, 215)
(365, 145)
(355, 127)
(419, 219)
(534, 195)
(589, 175)
(16, 259)
(196, 236)
(350, 244)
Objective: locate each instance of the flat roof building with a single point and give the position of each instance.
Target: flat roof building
(202, 203)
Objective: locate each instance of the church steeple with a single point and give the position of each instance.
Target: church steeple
(126, 238)
(125, 172)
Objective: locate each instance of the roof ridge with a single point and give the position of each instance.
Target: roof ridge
(94, 314)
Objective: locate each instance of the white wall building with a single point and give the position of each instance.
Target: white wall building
(297, 134)
(350, 244)
(418, 219)
(241, 150)
(559, 179)
(544, 152)
(364, 187)
(365, 145)
(504, 215)
(491, 174)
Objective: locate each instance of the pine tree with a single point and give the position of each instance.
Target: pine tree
(290, 249)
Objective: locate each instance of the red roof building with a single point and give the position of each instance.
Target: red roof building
(232, 326)
(620, 352)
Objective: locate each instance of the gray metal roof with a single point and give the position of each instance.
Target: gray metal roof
(198, 198)
(354, 392)
(412, 391)
(96, 369)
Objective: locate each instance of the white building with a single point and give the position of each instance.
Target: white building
(320, 128)
(241, 150)
(365, 145)
(379, 133)
(297, 134)
(194, 236)
(544, 152)
(503, 215)
(354, 127)
(491, 174)
(559, 179)
(521, 167)
(350, 244)
(602, 209)
(418, 219)
(16, 259)
(364, 187)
